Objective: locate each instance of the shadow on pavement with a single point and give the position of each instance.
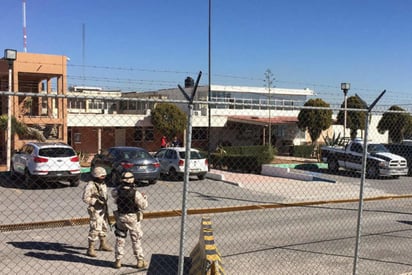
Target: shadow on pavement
(308, 167)
(52, 251)
(47, 251)
(18, 183)
(405, 222)
(165, 264)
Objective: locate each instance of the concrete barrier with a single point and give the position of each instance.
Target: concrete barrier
(205, 257)
(284, 171)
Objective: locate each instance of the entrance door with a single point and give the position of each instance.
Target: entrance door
(120, 137)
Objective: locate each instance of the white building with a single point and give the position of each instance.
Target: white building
(240, 116)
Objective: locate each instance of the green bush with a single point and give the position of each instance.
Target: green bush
(303, 151)
(243, 158)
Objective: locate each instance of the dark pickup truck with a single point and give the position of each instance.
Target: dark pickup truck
(403, 149)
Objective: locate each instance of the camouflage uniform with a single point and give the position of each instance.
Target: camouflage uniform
(129, 202)
(98, 226)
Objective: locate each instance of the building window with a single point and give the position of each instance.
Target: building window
(73, 104)
(96, 104)
(77, 137)
(132, 105)
(148, 134)
(199, 133)
(301, 134)
(138, 134)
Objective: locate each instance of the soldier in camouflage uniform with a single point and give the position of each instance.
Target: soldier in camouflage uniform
(95, 196)
(128, 216)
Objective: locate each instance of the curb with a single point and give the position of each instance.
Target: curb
(220, 177)
(291, 173)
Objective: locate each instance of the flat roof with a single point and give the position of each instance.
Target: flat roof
(262, 90)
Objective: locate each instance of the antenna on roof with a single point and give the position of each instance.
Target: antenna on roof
(83, 48)
(24, 27)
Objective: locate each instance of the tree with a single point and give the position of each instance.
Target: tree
(315, 120)
(355, 120)
(21, 129)
(169, 119)
(408, 129)
(396, 122)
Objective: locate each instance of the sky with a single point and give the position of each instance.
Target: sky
(142, 45)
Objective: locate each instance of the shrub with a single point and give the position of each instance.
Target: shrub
(303, 151)
(243, 158)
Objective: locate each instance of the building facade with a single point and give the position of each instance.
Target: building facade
(92, 119)
(38, 87)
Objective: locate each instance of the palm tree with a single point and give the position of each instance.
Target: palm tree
(21, 129)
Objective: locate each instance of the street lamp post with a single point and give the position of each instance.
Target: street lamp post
(345, 88)
(10, 56)
(209, 89)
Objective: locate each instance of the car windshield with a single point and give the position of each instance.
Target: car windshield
(135, 154)
(57, 152)
(374, 148)
(193, 155)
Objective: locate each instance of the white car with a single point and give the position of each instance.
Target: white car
(43, 162)
(172, 162)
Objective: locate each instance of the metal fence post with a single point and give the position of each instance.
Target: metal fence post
(364, 160)
(186, 175)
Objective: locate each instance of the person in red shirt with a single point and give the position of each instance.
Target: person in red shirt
(163, 142)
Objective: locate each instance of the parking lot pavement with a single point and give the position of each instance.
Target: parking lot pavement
(293, 190)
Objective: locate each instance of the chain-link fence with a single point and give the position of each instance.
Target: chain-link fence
(292, 209)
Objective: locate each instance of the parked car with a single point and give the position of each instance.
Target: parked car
(45, 162)
(172, 162)
(136, 160)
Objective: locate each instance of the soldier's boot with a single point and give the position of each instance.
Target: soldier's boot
(117, 264)
(142, 264)
(103, 245)
(90, 251)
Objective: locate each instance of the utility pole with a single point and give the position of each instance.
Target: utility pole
(269, 81)
(24, 27)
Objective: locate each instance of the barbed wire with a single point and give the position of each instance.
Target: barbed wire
(323, 90)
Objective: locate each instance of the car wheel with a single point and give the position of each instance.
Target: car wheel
(13, 174)
(152, 181)
(173, 174)
(333, 165)
(29, 182)
(201, 177)
(74, 183)
(372, 171)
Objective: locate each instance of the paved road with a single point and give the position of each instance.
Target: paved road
(62, 249)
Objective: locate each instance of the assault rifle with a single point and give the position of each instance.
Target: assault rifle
(105, 208)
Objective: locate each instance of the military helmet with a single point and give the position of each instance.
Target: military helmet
(99, 172)
(127, 177)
